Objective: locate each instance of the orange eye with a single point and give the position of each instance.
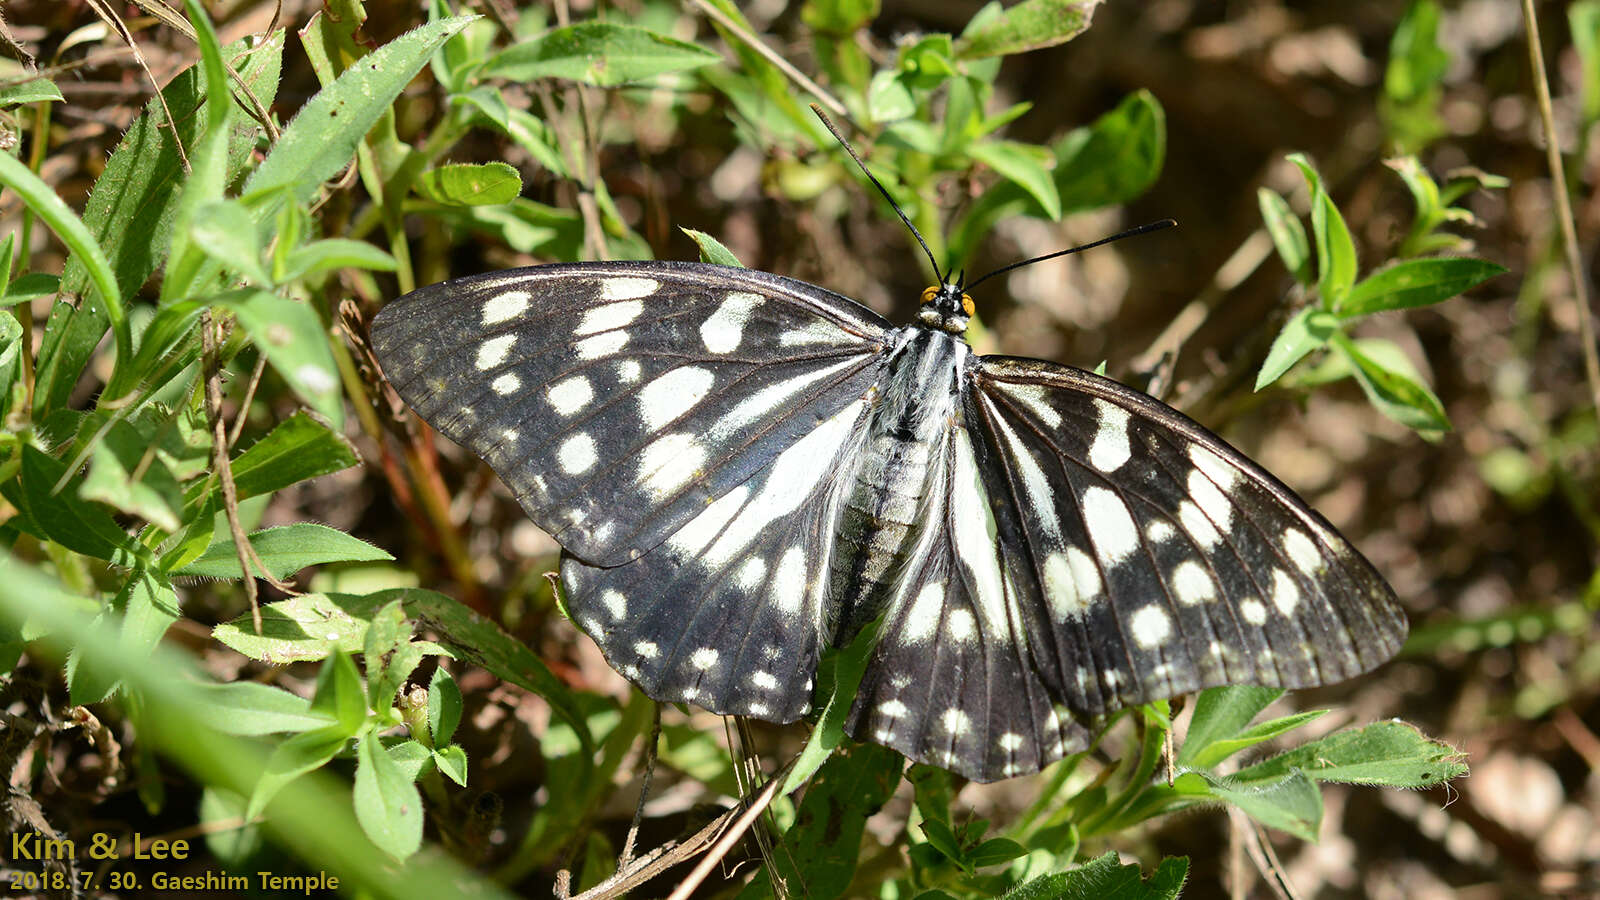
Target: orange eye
(929, 294)
(966, 304)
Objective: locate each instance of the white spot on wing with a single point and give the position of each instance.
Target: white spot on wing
(1085, 574)
(1199, 527)
(505, 307)
(615, 603)
(1061, 589)
(1110, 525)
(923, 617)
(703, 658)
(626, 288)
(609, 317)
(751, 573)
(789, 581)
(601, 345)
(1216, 505)
(1151, 626)
(894, 709)
(628, 371)
(1110, 449)
(1159, 531)
(666, 398)
(1285, 593)
(1253, 611)
(1192, 583)
(764, 680)
(1010, 741)
(955, 721)
(1225, 475)
(576, 454)
(1303, 551)
(724, 329)
(647, 649)
(506, 384)
(961, 626)
(494, 351)
(570, 395)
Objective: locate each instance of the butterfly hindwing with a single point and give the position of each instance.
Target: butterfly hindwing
(617, 400)
(1165, 560)
(725, 613)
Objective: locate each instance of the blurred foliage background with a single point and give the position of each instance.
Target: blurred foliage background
(1488, 530)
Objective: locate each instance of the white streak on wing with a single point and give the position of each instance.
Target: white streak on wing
(792, 477)
(601, 345)
(626, 288)
(974, 533)
(1035, 397)
(765, 401)
(494, 351)
(570, 395)
(668, 463)
(1218, 508)
(505, 307)
(1110, 525)
(666, 398)
(812, 332)
(692, 538)
(609, 317)
(1111, 449)
(1222, 473)
(1199, 527)
(1034, 483)
(723, 330)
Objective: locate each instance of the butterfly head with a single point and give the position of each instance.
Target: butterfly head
(946, 307)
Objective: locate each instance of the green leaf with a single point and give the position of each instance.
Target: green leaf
(389, 654)
(994, 852)
(387, 803)
(300, 447)
(286, 550)
(838, 676)
(1417, 64)
(1290, 802)
(839, 17)
(1220, 713)
(480, 642)
(1396, 394)
(598, 53)
(711, 249)
(251, 709)
(888, 98)
(339, 693)
(1288, 236)
(1308, 330)
(463, 184)
(821, 849)
(1391, 754)
(334, 253)
(31, 286)
(1583, 17)
(226, 232)
(319, 142)
(1030, 25)
(1336, 252)
(294, 757)
(1025, 165)
(307, 627)
(411, 756)
(926, 63)
(61, 516)
(941, 838)
(444, 707)
(296, 344)
(452, 761)
(1106, 878)
(1416, 282)
(155, 497)
(32, 89)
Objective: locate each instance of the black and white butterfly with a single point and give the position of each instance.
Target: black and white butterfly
(744, 469)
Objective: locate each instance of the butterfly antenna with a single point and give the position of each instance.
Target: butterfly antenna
(1142, 229)
(881, 189)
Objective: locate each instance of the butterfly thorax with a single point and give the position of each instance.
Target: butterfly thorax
(888, 503)
(946, 307)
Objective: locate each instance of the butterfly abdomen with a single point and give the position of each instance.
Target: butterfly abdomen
(886, 509)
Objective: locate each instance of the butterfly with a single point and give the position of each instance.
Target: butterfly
(744, 469)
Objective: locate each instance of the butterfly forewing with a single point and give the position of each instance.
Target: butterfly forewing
(618, 400)
(1164, 559)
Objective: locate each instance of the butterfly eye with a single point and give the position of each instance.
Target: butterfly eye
(929, 294)
(966, 304)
